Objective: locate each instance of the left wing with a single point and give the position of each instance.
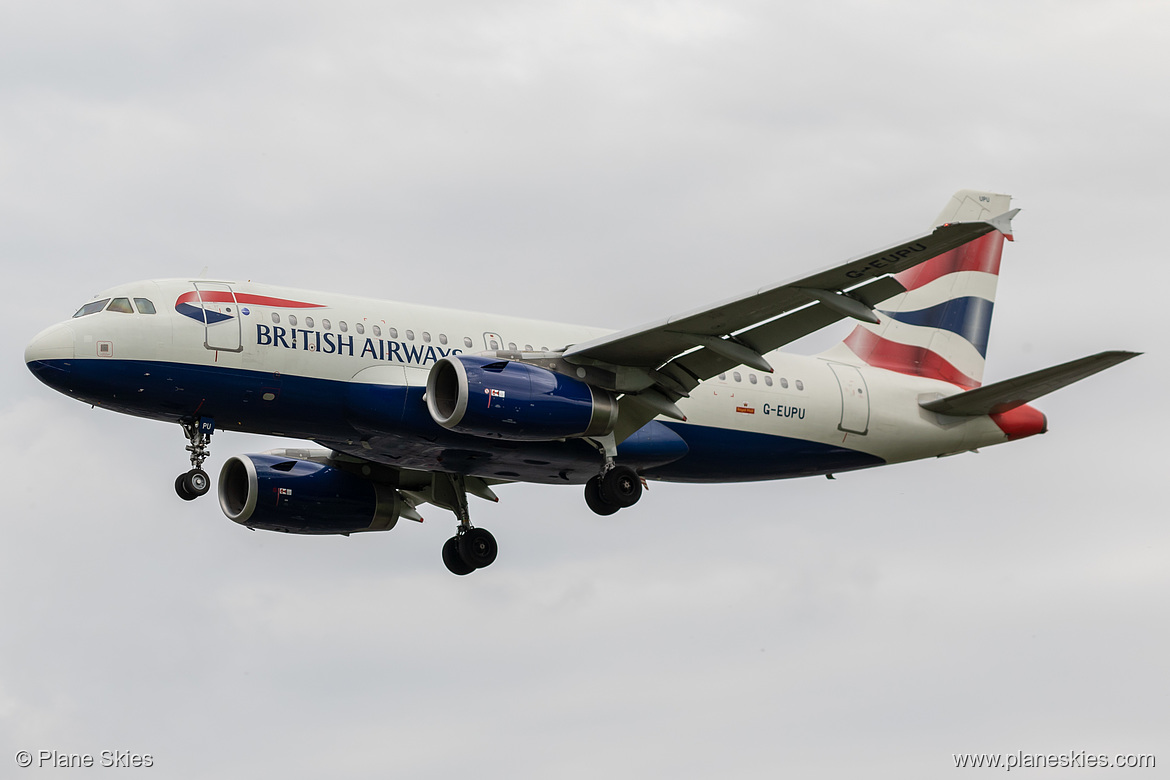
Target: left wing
(658, 363)
(413, 487)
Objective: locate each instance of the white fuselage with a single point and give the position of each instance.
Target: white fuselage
(278, 359)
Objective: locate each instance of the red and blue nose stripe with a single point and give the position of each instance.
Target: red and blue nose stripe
(189, 304)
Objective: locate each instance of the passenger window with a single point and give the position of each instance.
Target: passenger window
(799, 385)
(768, 381)
(326, 324)
(752, 378)
(292, 320)
(784, 383)
(92, 308)
(426, 337)
(341, 326)
(276, 318)
(493, 344)
(377, 331)
(308, 322)
(144, 306)
(723, 377)
(467, 341)
(512, 346)
(442, 338)
(735, 375)
(360, 328)
(410, 335)
(121, 305)
(527, 347)
(394, 333)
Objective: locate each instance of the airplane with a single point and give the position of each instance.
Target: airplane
(413, 404)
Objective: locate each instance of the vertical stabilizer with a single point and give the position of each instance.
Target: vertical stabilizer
(939, 327)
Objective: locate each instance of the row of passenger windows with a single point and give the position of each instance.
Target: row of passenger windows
(767, 380)
(376, 331)
(120, 305)
(512, 347)
(360, 327)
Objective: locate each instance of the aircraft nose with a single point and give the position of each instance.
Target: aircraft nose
(51, 344)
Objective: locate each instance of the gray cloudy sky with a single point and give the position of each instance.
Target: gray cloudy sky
(604, 163)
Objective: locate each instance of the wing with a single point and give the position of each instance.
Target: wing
(656, 364)
(413, 487)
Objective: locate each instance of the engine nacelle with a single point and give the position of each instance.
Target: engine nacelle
(517, 401)
(279, 493)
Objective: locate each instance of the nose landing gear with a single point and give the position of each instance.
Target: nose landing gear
(195, 483)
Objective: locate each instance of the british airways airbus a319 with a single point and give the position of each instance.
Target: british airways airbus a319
(414, 404)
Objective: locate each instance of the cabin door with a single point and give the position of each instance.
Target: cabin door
(854, 399)
(221, 316)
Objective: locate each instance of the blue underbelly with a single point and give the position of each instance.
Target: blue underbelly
(391, 425)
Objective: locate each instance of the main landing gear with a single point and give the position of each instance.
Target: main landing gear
(470, 548)
(194, 483)
(616, 487)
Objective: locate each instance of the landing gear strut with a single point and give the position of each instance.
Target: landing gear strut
(194, 483)
(470, 548)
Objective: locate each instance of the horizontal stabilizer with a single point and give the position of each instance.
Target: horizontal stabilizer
(1010, 393)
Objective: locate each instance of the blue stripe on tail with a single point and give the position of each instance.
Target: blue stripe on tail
(968, 317)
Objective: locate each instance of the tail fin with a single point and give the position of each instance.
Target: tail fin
(939, 327)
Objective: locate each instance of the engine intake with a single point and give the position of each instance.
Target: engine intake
(517, 401)
(278, 493)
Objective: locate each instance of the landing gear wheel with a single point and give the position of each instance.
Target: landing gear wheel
(596, 501)
(196, 482)
(181, 488)
(453, 560)
(477, 547)
(621, 486)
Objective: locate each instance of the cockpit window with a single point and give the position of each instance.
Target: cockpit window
(120, 305)
(91, 308)
(144, 306)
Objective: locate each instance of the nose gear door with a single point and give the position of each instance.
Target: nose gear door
(221, 316)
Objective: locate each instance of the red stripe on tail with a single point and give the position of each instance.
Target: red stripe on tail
(982, 254)
(904, 358)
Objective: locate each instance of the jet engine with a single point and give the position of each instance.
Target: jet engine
(278, 493)
(507, 399)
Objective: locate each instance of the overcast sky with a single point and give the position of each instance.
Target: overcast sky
(605, 163)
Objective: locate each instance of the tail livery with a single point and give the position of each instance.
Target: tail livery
(939, 327)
